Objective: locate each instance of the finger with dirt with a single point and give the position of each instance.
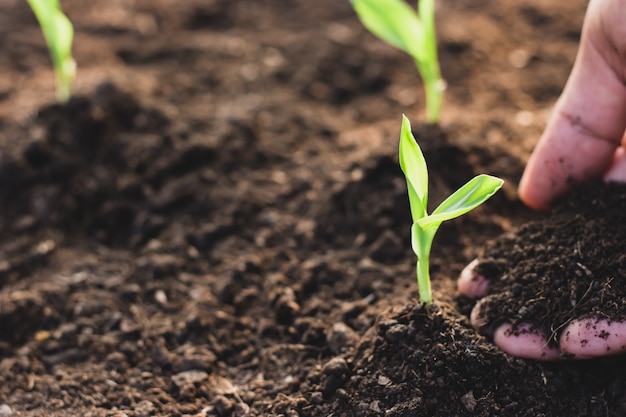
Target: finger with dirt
(580, 338)
(587, 123)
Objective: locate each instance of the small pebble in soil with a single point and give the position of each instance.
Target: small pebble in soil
(383, 380)
(336, 371)
(341, 337)
(5, 410)
(396, 332)
(336, 367)
(468, 401)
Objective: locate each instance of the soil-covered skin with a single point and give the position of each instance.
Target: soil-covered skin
(216, 223)
(571, 265)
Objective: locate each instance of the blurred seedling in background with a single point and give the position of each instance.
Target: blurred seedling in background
(59, 33)
(396, 23)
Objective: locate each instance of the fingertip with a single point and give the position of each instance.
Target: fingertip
(588, 338)
(536, 193)
(617, 171)
(470, 283)
(525, 342)
(584, 130)
(533, 193)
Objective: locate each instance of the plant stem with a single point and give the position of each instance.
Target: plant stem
(423, 265)
(434, 86)
(423, 281)
(429, 66)
(434, 96)
(63, 86)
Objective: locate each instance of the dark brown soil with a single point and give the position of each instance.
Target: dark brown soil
(569, 266)
(216, 223)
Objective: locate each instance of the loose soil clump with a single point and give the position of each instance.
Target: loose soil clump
(568, 266)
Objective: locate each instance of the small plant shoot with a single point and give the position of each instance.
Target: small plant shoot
(396, 23)
(59, 33)
(424, 227)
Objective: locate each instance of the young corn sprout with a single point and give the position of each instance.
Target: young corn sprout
(396, 23)
(58, 32)
(424, 227)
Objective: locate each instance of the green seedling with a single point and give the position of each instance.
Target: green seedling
(58, 32)
(396, 23)
(424, 227)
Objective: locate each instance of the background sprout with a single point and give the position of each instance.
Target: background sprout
(396, 23)
(58, 32)
(424, 227)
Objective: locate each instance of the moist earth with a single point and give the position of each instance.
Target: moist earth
(216, 223)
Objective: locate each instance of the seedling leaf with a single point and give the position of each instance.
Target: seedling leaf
(394, 22)
(465, 199)
(59, 33)
(427, 17)
(415, 170)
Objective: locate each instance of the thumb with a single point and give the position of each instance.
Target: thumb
(587, 123)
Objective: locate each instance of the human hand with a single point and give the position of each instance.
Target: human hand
(583, 138)
(579, 339)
